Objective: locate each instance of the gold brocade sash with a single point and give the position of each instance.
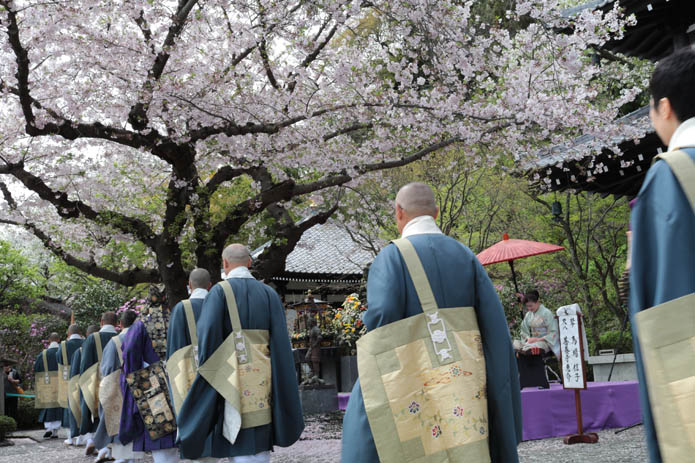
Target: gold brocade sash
(182, 366)
(90, 379)
(74, 398)
(46, 387)
(64, 376)
(423, 381)
(666, 335)
(110, 394)
(239, 369)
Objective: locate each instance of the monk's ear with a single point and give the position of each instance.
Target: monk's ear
(665, 109)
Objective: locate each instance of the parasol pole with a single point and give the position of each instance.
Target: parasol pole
(516, 287)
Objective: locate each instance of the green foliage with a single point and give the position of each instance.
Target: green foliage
(97, 297)
(613, 340)
(27, 413)
(7, 426)
(23, 336)
(19, 280)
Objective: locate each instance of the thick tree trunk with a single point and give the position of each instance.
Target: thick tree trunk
(172, 273)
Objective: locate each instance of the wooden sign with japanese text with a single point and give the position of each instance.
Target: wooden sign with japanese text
(571, 346)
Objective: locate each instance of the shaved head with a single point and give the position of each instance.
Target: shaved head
(235, 255)
(74, 329)
(199, 278)
(416, 199)
(54, 337)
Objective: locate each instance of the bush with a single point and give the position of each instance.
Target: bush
(612, 339)
(27, 414)
(7, 425)
(95, 299)
(19, 280)
(23, 337)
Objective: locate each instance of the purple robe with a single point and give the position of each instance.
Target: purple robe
(137, 349)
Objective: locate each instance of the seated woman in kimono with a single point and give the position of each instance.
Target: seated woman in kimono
(539, 333)
(539, 330)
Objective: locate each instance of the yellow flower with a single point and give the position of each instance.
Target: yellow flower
(337, 315)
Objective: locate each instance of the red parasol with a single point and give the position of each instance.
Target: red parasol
(508, 250)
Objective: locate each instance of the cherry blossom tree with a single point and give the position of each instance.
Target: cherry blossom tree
(123, 122)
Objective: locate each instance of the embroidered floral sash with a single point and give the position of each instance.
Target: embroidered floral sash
(182, 366)
(90, 379)
(46, 386)
(423, 381)
(240, 371)
(110, 394)
(63, 376)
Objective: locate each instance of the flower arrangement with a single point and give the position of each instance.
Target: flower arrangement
(347, 323)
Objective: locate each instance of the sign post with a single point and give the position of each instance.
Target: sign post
(573, 369)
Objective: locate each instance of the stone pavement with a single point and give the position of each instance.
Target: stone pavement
(320, 443)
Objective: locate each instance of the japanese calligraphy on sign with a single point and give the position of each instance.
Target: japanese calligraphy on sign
(572, 352)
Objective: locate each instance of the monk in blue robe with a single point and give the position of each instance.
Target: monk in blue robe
(457, 279)
(179, 336)
(90, 357)
(108, 443)
(662, 219)
(72, 344)
(204, 412)
(138, 353)
(76, 417)
(50, 417)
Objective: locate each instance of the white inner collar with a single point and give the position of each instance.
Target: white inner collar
(421, 225)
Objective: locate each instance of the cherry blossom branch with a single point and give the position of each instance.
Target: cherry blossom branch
(138, 113)
(70, 209)
(128, 277)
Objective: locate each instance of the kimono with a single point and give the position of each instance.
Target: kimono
(110, 362)
(663, 254)
(48, 415)
(539, 324)
(458, 280)
(72, 345)
(89, 357)
(202, 414)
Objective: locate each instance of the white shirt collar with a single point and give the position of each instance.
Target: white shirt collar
(75, 336)
(124, 331)
(684, 136)
(421, 225)
(53, 344)
(240, 272)
(108, 329)
(198, 293)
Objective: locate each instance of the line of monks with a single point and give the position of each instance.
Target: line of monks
(213, 390)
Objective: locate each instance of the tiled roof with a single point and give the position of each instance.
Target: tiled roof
(585, 145)
(585, 164)
(325, 249)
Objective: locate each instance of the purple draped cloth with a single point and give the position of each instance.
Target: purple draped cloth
(137, 349)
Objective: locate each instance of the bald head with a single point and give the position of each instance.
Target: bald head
(74, 329)
(199, 278)
(235, 255)
(54, 337)
(414, 200)
(417, 199)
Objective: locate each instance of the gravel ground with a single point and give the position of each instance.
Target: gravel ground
(320, 443)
